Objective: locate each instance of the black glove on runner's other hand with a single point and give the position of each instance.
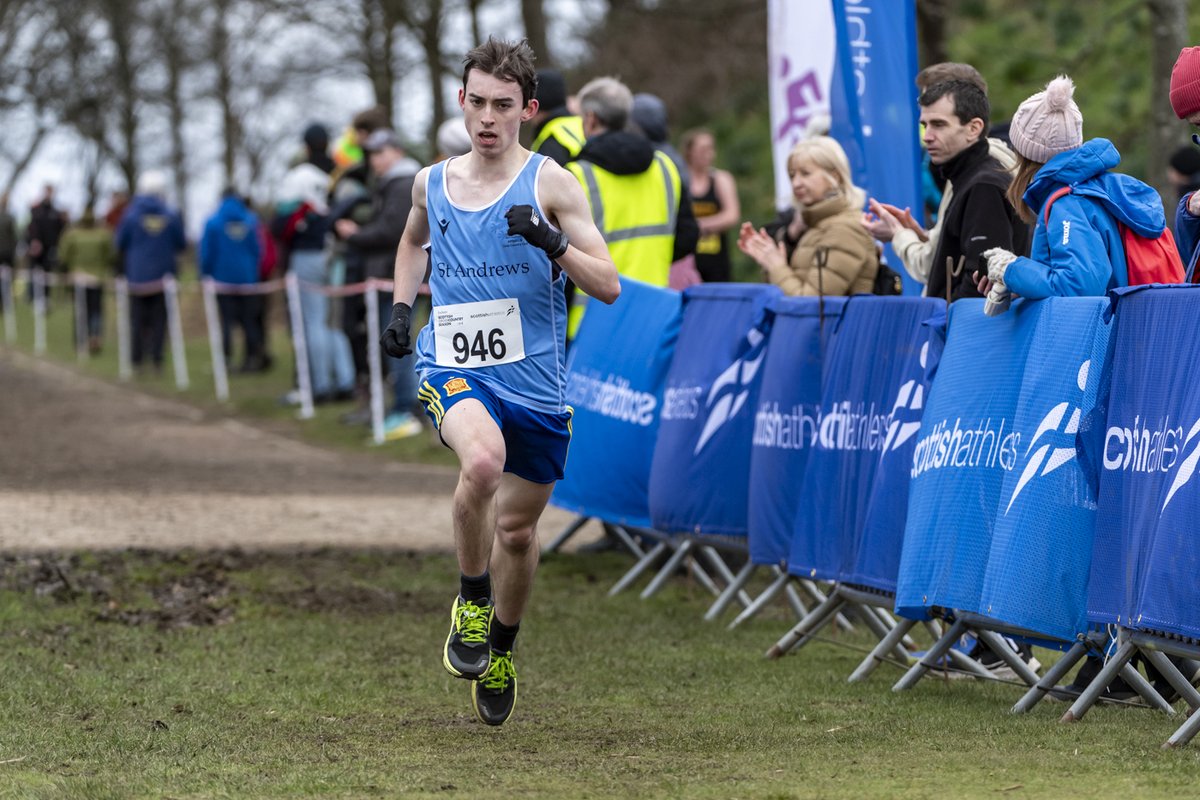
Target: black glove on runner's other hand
(395, 339)
(525, 222)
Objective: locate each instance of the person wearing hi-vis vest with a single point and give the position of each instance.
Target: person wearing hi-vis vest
(504, 227)
(557, 133)
(634, 191)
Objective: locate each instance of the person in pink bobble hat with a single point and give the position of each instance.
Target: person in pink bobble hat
(1077, 251)
(1185, 100)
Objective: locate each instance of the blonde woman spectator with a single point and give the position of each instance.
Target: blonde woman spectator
(827, 252)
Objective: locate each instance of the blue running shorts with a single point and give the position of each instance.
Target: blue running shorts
(535, 442)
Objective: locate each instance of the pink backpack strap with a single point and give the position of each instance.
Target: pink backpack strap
(1050, 201)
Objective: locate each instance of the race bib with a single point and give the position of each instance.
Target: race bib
(483, 334)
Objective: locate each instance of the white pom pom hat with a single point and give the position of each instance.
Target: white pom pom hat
(1048, 123)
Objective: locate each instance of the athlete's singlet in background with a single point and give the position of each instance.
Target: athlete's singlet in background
(498, 308)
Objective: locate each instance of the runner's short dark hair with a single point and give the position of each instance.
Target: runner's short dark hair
(509, 61)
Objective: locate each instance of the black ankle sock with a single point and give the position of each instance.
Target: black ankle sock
(503, 637)
(477, 588)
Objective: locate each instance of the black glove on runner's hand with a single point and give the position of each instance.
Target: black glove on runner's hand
(525, 222)
(395, 339)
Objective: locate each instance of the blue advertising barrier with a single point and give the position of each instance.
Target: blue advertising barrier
(870, 361)
(1001, 516)
(616, 370)
(785, 423)
(698, 479)
(874, 559)
(1146, 558)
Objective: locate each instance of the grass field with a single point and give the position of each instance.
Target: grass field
(318, 675)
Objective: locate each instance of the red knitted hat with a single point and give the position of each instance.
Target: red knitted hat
(1185, 83)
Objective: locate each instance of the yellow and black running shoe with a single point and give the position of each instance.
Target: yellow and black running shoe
(466, 654)
(495, 694)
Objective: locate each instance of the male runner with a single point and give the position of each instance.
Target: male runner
(505, 228)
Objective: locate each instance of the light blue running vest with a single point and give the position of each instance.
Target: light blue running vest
(473, 259)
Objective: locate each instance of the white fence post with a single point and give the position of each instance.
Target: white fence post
(124, 361)
(374, 362)
(6, 298)
(175, 325)
(216, 341)
(299, 347)
(38, 277)
(81, 332)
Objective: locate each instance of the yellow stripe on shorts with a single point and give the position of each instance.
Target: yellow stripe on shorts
(433, 401)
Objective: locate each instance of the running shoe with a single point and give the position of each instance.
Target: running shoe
(466, 653)
(495, 694)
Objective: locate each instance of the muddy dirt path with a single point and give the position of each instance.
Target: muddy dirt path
(89, 464)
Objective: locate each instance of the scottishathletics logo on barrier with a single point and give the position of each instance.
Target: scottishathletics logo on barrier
(732, 388)
(1048, 427)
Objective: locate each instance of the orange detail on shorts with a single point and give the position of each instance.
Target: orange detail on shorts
(455, 386)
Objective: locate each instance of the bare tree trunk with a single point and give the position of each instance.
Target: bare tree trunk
(175, 61)
(931, 31)
(378, 40)
(223, 61)
(121, 17)
(431, 38)
(534, 18)
(1168, 29)
(473, 10)
(23, 161)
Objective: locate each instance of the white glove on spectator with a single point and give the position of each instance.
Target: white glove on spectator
(998, 297)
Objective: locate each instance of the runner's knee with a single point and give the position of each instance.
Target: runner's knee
(517, 539)
(482, 469)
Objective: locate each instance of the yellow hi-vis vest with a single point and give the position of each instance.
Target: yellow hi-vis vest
(567, 131)
(636, 215)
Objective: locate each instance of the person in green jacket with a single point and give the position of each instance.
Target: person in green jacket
(87, 248)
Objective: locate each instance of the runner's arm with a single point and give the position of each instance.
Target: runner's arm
(586, 261)
(410, 253)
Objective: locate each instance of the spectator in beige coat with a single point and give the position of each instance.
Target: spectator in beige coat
(825, 251)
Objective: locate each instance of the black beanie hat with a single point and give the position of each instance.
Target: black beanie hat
(551, 89)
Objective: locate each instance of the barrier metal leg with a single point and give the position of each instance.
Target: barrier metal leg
(566, 534)
(798, 636)
(881, 651)
(669, 568)
(625, 538)
(760, 602)
(637, 569)
(995, 642)
(698, 572)
(723, 572)
(1092, 693)
(878, 627)
(817, 595)
(932, 657)
(1184, 734)
(1148, 692)
(1174, 677)
(300, 346)
(1051, 678)
(799, 607)
(38, 276)
(175, 331)
(732, 588)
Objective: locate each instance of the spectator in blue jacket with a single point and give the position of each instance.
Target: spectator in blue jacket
(1185, 100)
(1079, 251)
(150, 238)
(229, 254)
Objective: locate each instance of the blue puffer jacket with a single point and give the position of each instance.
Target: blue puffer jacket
(1079, 253)
(1187, 228)
(229, 248)
(149, 237)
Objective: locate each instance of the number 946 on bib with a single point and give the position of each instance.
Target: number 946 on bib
(483, 334)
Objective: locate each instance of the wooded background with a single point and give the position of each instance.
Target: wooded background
(136, 83)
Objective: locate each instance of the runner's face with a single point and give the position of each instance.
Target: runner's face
(493, 111)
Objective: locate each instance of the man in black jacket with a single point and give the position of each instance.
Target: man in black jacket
(376, 241)
(955, 118)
